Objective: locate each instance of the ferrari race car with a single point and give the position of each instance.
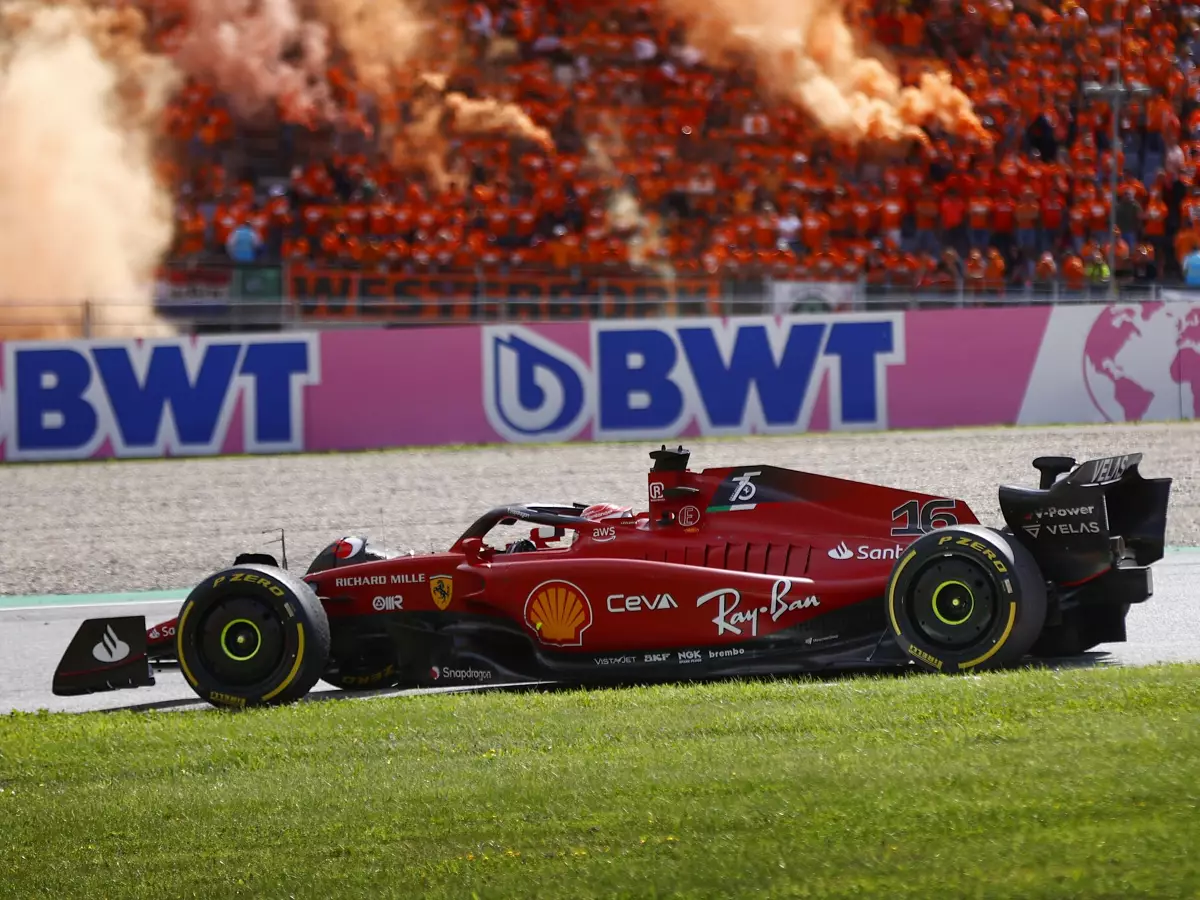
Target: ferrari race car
(744, 571)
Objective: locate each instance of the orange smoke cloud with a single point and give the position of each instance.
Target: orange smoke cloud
(623, 214)
(438, 115)
(382, 38)
(257, 53)
(263, 52)
(82, 216)
(805, 53)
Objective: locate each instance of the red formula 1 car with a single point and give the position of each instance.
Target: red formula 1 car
(752, 570)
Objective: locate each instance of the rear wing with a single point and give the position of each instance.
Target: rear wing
(1084, 516)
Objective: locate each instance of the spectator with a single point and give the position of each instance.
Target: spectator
(1097, 272)
(243, 243)
(1145, 269)
(1191, 267)
(1129, 215)
(1045, 274)
(714, 158)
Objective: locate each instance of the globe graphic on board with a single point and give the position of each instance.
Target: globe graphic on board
(1129, 376)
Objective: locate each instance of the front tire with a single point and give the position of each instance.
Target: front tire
(356, 664)
(966, 598)
(252, 635)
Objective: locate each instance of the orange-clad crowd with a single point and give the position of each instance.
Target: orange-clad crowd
(727, 184)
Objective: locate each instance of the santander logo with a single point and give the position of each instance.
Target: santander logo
(841, 551)
(111, 648)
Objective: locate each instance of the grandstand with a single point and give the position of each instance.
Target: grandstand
(721, 186)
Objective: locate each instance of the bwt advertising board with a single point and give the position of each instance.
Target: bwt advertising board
(646, 380)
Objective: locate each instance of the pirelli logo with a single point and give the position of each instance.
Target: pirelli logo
(920, 654)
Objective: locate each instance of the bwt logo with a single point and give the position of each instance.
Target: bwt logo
(160, 397)
(750, 375)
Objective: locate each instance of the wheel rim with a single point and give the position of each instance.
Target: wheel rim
(240, 641)
(952, 603)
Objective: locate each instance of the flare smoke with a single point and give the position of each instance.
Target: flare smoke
(439, 114)
(624, 215)
(805, 53)
(82, 216)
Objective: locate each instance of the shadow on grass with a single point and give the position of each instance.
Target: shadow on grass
(813, 679)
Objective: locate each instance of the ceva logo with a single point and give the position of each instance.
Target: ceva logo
(841, 551)
(726, 377)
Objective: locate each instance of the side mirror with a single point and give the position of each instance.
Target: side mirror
(472, 548)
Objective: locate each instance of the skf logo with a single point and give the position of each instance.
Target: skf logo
(841, 551)
(559, 612)
(441, 587)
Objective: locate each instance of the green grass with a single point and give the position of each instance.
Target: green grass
(1082, 783)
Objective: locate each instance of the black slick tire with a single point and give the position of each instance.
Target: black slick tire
(965, 598)
(252, 635)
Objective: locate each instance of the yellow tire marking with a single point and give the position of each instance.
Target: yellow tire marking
(892, 589)
(187, 673)
(295, 666)
(1012, 617)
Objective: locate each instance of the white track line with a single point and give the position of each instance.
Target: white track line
(50, 607)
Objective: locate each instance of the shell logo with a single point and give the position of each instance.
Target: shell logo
(559, 612)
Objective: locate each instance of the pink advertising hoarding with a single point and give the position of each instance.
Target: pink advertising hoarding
(640, 379)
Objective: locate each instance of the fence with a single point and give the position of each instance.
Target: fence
(652, 380)
(208, 299)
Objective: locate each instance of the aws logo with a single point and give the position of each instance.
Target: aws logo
(650, 380)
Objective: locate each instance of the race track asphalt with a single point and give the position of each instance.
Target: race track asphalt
(1164, 629)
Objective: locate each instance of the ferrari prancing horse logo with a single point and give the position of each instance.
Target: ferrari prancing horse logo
(442, 589)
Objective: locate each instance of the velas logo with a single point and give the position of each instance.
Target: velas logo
(755, 374)
(559, 613)
(1142, 362)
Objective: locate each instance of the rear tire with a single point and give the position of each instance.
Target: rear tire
(966, 598)
(252, 635)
